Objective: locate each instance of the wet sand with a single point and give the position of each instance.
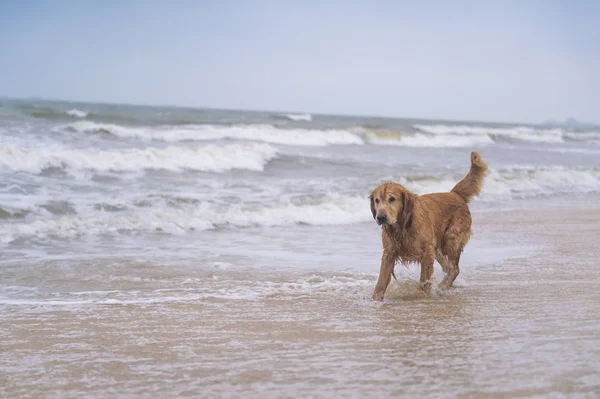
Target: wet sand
(522, 323)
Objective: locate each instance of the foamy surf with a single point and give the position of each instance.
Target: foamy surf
(527, 182)
(226, 287)
(77, 113)
(179, 217)
(298, 117)
(332, 209)
(433, 136)
(523, 133)
(421, 140)
(517, 182)
(583, 136)
(259, 132)
(405, 139)
(209, 158)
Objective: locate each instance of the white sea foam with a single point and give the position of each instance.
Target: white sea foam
(519, 181)
(524, 133)
(77, 113)
(422, 140)
(576, 150)
(437, 135)
(210, 158)
(529, 182)
(298, 117)
(195, 289)
(264, 133)
(583, 135)
(330, 210)
(106, 128)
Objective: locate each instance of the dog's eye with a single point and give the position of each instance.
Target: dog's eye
(391, 200)
(377, 200)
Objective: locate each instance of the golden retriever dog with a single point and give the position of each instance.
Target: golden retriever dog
(425, 228)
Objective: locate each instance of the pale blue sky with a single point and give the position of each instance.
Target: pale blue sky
(520, 61)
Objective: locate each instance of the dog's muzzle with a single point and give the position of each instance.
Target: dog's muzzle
(382, 219)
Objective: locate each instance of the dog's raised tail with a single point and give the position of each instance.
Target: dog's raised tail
(470, 185)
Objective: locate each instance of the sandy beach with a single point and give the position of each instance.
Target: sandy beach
(522, 323)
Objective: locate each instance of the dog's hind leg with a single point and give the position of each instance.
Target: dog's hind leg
(450, 267)
(452, 270)
(443, 261)
(456, 237)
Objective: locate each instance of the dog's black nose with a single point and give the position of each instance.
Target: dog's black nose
(381, 219)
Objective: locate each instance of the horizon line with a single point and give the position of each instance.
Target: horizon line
(153, 105)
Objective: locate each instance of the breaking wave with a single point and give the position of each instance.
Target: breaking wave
(298, 117)
(582, 136)
(77, 113)
(403, 139)
(331, 209)
(517, 133)
(527, 181)
(265, 133)
(422, 140)
(210, 158)
(429, 136)
(518, 182)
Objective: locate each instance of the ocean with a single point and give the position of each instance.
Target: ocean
(147, 251)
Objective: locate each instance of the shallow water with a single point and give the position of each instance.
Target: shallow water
(280, 321)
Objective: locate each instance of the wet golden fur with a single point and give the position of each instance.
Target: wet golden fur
(425, 228)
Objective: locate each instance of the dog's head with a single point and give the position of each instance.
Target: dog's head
(392, 204)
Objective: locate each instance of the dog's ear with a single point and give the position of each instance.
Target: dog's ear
(372, 206)
(408, 204)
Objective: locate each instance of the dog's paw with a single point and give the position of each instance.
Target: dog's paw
(443, 286)
(426, 286)
(378, 296)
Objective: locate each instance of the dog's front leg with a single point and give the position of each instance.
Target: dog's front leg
(385, 275)
(427, 269)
